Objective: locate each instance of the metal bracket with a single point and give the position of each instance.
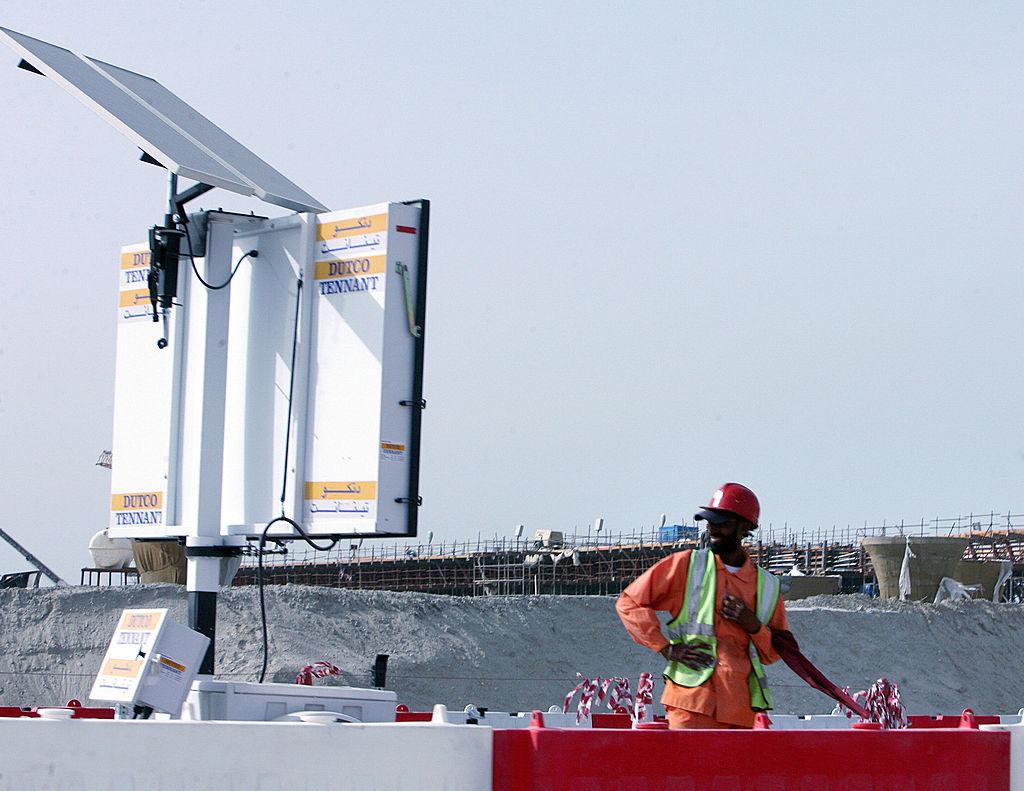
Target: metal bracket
(414, 329)
(421, 404)
(212, 552)
(418, 501)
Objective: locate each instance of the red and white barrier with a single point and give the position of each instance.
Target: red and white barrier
(548, 759)
(1016, 733)
(76, 711)
(97, 755)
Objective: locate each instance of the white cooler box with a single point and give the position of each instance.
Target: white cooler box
(247, 701)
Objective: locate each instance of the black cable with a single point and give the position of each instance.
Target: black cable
(192, 258)
(259, 575)
(284, 489)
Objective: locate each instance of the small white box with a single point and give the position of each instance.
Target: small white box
(247, 701)
(150, 661)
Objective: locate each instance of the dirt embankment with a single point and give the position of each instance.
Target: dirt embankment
(513, 653)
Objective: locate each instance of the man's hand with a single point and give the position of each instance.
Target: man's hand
(734, 609)
(691, 656)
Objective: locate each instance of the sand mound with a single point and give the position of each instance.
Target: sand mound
(513, 653)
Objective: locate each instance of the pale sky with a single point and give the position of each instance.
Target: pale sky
(672, 245)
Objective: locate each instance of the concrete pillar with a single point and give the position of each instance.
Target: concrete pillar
(801, 587)
(979, 572)
(934, 559)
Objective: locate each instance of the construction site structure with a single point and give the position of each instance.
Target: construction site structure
(927, 562)
(588, 564)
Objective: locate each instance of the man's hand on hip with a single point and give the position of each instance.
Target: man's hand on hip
(691, 656)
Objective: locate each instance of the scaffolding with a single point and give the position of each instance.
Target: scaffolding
(603, 564)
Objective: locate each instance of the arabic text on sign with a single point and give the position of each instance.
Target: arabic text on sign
(121, 668)
(134, 297)
(352, 243)
(337, 507)
(339, 229)
(341, 490)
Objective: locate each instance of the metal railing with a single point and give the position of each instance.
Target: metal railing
(799, 541)
(599, 562)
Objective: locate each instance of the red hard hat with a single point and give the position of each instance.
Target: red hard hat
(732, 498)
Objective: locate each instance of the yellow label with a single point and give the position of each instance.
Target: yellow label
(121, 668)
(392, 446)
(135, 259)
(172, 664)
(138, 501)
(341, 490)
(140, 620)
(354, 226)
(136, 298)
(353, 267)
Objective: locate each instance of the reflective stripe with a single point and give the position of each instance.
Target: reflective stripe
(694, 624)
(768, 589)
(755, 663)
(769, 596)
(704, 629)
(699, 562)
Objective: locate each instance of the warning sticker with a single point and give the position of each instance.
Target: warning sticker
(392, 451)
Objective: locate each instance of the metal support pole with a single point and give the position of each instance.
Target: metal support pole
(202, 472)
(172, 195)
(32, 558)
(202, 616)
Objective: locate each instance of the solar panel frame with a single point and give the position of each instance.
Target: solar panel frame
(161, 124)
(267, 183)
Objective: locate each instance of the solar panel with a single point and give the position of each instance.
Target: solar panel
(161, 124)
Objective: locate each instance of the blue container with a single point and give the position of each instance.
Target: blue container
(670, 533)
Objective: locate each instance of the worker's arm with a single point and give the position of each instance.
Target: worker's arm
(762, 638)
(658, 588)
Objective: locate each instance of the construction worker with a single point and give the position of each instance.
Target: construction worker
(723, 610)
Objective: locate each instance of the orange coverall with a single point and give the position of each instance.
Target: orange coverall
(724, 699)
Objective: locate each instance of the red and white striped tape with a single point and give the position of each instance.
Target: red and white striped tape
(316, 670)
(644, 697)
(883, 703)
(614, 692)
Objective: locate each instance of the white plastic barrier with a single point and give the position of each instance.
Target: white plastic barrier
(1016, 753)
(98, 755)
(522, 719)
(506, 720)
(786, 722)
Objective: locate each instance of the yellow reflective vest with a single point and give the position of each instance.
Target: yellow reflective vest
(695, 626)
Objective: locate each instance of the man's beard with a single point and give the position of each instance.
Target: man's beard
(726, 546)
